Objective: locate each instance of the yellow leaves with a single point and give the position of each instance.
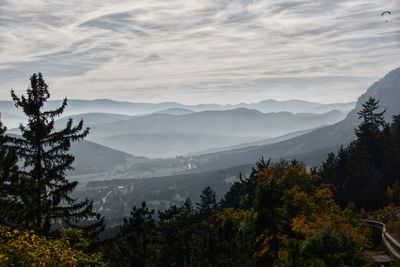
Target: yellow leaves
(23, 246)
(331, 219)
(305, 206)
(300, 225)
(286, 175)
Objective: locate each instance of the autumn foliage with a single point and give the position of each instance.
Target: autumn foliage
(20, 247)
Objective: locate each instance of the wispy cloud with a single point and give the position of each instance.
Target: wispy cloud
(199, 51)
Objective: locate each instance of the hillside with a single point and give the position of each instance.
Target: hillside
(115, 197)
(92, 158)
(255, 143)
(386, 90)
(164, 145)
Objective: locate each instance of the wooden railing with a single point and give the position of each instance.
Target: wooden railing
(391, 244)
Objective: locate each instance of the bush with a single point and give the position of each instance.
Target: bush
(21, 247)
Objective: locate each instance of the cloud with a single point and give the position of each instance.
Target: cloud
(199, 51)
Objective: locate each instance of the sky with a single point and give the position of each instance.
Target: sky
(199, 51)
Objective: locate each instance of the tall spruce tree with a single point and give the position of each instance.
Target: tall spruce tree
(370, 132)
(372, 122)
(43, 150)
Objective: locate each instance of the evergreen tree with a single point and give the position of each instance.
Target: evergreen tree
(242, 193)
(208, 202)
(369, 132)
(44, 189)
(391, 171)
(138, 238)
(176, 231)
(204, 235)
(9, 201)
(361, 172)
(232, 198)
(372, 122)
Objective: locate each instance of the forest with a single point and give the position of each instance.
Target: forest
(282, 214)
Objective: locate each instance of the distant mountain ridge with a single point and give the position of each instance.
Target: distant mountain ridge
(12, 116)
(175, 111)
(160, 135)
(236, 122)
(220, 169)
(329, 138)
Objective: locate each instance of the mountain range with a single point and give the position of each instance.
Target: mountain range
(221, 169)
(237, 137)
(176, 132)
(12, 117)
(329, 138)
(311, 146)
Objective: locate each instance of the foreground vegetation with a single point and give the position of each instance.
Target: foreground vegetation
(281, 215)
(22, 247)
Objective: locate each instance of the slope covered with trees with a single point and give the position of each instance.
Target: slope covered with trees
(362, 171)
(282, 214)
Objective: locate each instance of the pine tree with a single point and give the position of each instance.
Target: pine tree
(372, 121)
(204, 237)
(362, 171)
(138, 237)
(242, 193)
(175, 226)
(370, 131)
(43, 150)
(208, 202)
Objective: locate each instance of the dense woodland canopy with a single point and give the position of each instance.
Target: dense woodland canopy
(282, 214)
(362, 172)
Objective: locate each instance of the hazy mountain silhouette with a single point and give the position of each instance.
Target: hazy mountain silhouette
(94, 118)
(175, 111)
(162, 145)
(11, 116)
(308, 147)
(237, 122)
(165, 135)
(256, 143)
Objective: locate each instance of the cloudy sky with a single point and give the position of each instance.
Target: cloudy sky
(199, 51)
